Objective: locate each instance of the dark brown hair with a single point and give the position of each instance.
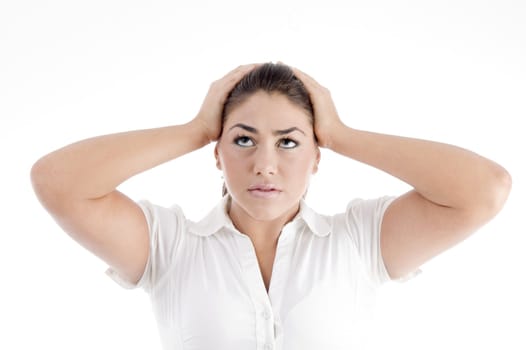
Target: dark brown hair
(272, 78)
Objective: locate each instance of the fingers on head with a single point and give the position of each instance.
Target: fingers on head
(310, 82)
(303, 76)
(240, 71)
(235, 75)
(244, 68)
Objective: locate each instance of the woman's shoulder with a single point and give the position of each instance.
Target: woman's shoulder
(355, 206)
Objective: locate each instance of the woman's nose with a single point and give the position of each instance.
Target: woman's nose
(265, 161)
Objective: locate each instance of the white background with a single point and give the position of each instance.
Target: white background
(452, 71)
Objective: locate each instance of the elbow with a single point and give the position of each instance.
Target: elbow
(501, 189)
(38, 178)
(495, 193)
(486, 199)
(41, 176)
(37, 175)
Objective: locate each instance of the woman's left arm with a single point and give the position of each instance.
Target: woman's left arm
(455, 190)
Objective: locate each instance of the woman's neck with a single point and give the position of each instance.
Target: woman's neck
(263, 233)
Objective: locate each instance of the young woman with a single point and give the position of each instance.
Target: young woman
(263, 270)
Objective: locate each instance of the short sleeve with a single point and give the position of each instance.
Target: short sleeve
(165, 232)
(364, 221)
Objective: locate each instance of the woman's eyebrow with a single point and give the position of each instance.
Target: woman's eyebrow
(244, 127)
(275, 132)
(287, 131)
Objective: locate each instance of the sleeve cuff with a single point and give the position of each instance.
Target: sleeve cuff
(114, 275)
(407, 277)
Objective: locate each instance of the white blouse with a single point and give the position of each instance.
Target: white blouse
(207, 291)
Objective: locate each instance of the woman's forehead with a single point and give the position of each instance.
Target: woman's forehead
(273, 111)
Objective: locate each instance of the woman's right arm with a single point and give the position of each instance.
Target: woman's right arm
(77, 183)
(77, 186)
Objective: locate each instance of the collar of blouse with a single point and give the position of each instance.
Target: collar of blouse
(218, 218)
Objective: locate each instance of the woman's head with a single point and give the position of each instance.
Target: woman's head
(271, 78)
(267, 150)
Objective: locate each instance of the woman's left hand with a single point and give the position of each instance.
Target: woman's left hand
(326, 119)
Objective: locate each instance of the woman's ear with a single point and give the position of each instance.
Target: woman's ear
(216, 155)
(317, 161)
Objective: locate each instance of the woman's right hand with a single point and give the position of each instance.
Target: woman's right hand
(209, 116)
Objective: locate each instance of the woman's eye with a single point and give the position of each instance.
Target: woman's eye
(287, 143)
(244, 141)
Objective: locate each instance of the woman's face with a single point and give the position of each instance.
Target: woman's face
(267, 153)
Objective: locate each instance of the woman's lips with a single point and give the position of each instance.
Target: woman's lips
(264, 190)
